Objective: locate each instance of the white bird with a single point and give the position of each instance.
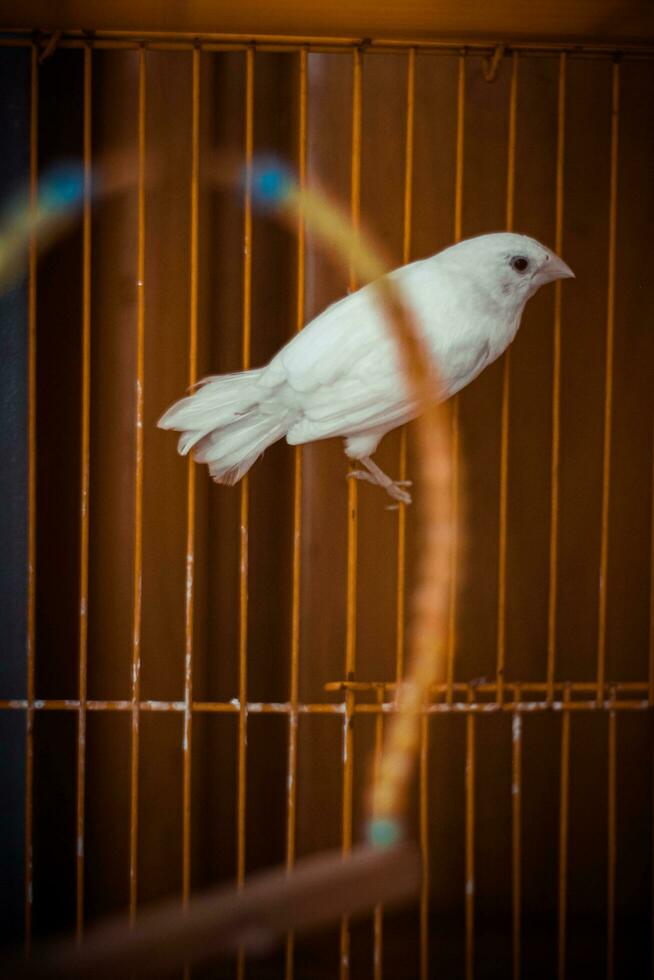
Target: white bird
(341, 375)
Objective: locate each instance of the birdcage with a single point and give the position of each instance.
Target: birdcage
(209, 670)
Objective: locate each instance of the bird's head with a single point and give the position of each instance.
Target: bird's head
(511, 267)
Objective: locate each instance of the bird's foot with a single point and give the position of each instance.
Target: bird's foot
(394, 488)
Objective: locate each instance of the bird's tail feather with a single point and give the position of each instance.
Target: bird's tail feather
(219, 400)
(231, 451)
(222, 423)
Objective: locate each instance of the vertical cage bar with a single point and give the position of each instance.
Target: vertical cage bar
(31, 497)
(406, 256)
(190, 499)
(612, 847)
(563, 833)
(516, 828)
(138, 497)
(454, 401)
(378, 920)
(651, 616)
(608, 384)
(506, 394)
(424, 846)
(470, 842)
(245, 487)
(352, 533)
(291, 798)
(556, 389)
(84, 496)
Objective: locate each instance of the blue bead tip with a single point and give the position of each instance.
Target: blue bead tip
(62, 187)
(271, 182)
(384, 832)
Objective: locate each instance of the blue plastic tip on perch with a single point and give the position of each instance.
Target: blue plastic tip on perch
(271, 183)
(384, 832)
(62, 187)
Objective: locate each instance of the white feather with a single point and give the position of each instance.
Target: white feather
(341, 375)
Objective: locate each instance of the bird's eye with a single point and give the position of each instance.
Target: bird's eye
(519, 263)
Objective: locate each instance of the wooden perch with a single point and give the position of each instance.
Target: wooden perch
(316, 893)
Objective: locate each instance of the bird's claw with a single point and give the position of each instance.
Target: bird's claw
(361, 475)
(395, 491)
(393, 488)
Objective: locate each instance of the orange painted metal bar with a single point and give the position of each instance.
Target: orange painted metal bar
(460, 143)
(535, 687)
(190, 499)
(378, 920)
(552, 598)
(84, 497)
(216, 41)
(519, 687)
(285, 707)
(470, 844)
(406, 257)
(516, 838)
(454, 401)
(612, 847)
(506, 394)
(352, 532)
(294, 44)
(424, 847)
(31, 500)
(138, 497)
(245, 488)
(291, 793)
(488, 688)
(608, 383)
(527, 707)
(563, 836)
(651, 601)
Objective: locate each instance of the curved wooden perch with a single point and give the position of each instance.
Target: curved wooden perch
(220, 921)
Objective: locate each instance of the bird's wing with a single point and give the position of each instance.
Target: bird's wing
(338, 342)
(344, 372)
(332, 346)
(463, 362)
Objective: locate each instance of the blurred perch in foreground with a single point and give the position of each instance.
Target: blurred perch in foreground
(317, 893)
(323, 888)
(38, 215)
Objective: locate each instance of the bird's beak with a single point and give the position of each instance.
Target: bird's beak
(556, 268)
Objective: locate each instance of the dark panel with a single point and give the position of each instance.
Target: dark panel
(14, 172)
(107, 813)
(223, 354)
(160, 805)
(12, 774)
(630, 515)
(541, 751)
(54, 840)
(213, 800)
(530, 383)
(583, 351)
(382, 165)
(59, 321)
(274, 313)
(587, 843)
(167, 304)
(324, 512)
(484, 209)
(113, 359)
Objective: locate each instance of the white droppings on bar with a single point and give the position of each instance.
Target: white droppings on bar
(516, 727)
